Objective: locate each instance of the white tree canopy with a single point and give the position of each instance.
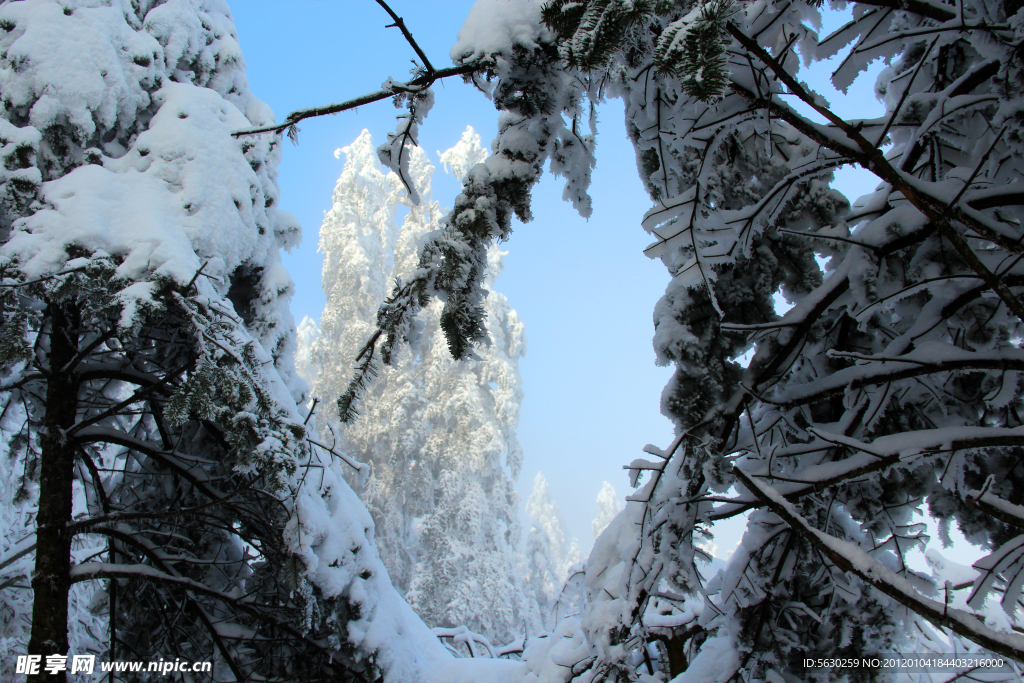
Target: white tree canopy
(439, 434)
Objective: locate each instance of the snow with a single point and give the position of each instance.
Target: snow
(948, 572)
(495, 26)
(91, 82)
(717, 662)
(153, 206)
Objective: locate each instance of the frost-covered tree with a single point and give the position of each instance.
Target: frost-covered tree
(439, 435)
(551, 555)
(608, 505)
(162, 500)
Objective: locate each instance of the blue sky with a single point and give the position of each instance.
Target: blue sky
(583, 288)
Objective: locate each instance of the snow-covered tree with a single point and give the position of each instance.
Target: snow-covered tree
(306, 335)
(162, 500)
(550, 554)
(440, 435)
(547, 522)
(891, 383)
(608, 505)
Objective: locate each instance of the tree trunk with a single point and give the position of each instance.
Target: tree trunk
(51, 579)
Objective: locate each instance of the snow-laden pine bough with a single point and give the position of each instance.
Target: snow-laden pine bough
(892, 384)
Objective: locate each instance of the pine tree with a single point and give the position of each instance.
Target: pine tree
(440, 435)
(608, 505)
(154, 452)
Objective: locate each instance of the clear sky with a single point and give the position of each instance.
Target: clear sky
(584, 289)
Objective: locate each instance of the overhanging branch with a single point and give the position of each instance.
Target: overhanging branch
(417, 83)
(871, 158)
(408, 36)
(852, 559)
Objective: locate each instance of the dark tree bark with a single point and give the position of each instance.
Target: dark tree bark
(51, 579)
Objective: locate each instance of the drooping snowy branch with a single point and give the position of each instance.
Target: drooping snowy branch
(851, 558)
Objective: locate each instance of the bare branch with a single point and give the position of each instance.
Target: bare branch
(408, 36)
(415, 84)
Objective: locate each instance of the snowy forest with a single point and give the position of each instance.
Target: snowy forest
(188, 475)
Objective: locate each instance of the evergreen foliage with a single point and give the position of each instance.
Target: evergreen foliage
(439, 434)
(693, 51)
(890, 388)
(162, 498)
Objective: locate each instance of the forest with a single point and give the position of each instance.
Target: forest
(192, 482)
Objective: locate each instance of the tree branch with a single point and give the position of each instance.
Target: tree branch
(918, 7)
(417, 83)
(408, 36)
(872, 158)
(852, 559)
(91, 571)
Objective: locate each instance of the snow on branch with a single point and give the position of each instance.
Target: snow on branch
(361, 467)
(853, 559)
(996, 506)
(460, 635)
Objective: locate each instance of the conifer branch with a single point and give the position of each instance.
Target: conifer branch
(83, 525)
(850, 558)
(137, 396)
(91, 571)
(366, 371)
(872, 159)
(921, 8)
